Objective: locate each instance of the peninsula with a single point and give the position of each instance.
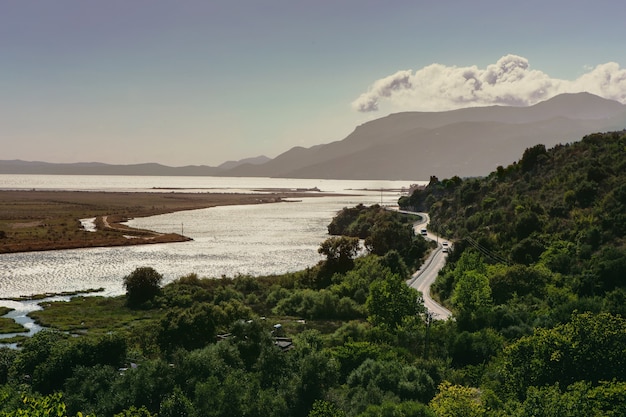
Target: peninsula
(49, 220)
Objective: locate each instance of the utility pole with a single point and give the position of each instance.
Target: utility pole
(429, 320)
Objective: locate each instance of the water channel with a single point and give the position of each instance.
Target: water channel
(253, 240)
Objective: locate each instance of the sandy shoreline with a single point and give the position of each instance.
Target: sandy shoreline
(50, 220)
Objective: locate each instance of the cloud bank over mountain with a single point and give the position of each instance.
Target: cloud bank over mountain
(510, 81)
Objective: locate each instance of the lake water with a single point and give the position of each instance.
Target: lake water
(252, 239)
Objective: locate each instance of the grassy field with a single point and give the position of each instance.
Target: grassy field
(92, 314)
(47, 220)
(9, 325)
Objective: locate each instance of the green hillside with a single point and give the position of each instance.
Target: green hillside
(538, 265)
(561, 211)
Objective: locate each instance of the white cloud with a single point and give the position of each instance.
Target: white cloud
(385, 87)
(509, 81)
(606, 80)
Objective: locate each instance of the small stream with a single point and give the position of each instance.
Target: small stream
(20, 315)
(89, 225)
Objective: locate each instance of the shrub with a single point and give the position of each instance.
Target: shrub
(142, 285)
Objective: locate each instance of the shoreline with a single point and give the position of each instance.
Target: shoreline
(35, 220)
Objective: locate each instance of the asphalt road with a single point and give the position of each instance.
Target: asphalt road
(422, 279)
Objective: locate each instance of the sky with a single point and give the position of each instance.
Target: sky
(190, 82)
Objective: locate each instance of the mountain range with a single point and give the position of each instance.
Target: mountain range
(403, 146)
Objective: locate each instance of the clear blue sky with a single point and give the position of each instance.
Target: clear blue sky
(200, 82)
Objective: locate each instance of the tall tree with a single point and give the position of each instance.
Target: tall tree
(340, 251)
(590, 347)
(391, 301)
(457, 401)
(142, 285)
(472, 298)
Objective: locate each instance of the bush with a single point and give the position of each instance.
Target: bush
(321, 304)
(142, 285)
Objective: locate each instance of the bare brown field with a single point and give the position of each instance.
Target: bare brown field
(49, 220)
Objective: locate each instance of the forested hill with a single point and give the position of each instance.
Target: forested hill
(564, 207)
(557, 218)
(539, 259)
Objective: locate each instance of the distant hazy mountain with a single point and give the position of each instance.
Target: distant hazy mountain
(464, 142)
(96, 168)
(405, 146)
(258, 160)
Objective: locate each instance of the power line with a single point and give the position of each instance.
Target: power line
(490, 254)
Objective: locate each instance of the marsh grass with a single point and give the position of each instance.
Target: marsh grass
(93, 315)
(11, 340)
(42, 296)
(9, 325)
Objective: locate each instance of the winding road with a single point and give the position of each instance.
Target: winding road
(423, 278)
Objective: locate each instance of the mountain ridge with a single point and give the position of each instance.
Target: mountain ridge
(403, 146)
(408, 145)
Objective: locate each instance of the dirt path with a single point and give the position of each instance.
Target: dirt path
(134, 233)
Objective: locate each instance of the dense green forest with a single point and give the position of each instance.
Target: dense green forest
(536, 279)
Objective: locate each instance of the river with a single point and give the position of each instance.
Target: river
(229, 240)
